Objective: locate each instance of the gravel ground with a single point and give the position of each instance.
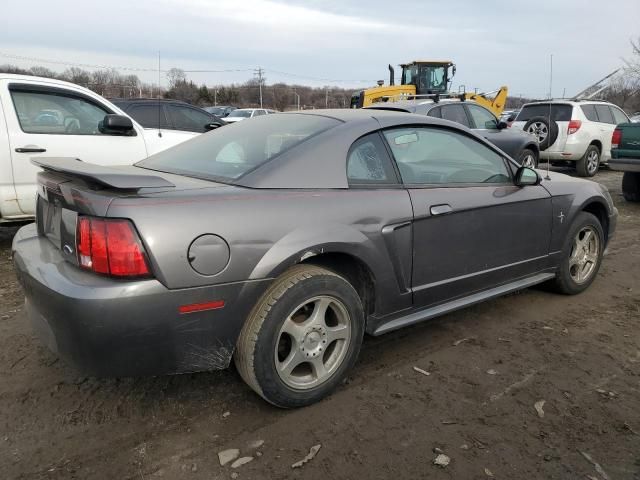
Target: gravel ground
(576, 358)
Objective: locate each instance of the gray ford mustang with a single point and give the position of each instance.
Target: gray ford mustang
(280, 241)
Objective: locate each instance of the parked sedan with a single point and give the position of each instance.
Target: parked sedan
(516, 143)
(244, 113)
(279, 242)
(169, 114)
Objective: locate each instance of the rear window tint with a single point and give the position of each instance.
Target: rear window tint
(589, 112)
(230, 152)
(559, 112)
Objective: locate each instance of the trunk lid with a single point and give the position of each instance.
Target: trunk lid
(68, 187)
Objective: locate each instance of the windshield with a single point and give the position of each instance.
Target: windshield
(240, 113)
(219, 111)
(230, 152)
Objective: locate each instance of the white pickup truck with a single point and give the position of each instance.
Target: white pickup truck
(46, 117)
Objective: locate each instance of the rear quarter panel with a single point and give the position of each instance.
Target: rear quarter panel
(270, 230)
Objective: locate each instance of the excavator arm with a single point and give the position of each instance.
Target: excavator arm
(495, 104)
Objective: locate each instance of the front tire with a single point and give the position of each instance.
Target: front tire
(581, 255)
(631, 186)
(528, 158)
(589, 164)
(301, 338)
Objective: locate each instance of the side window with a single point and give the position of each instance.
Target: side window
(149, 115)
(186, 118)
(55, 113)
(482, 117)
(590, 112)
(435, 112)
(619, 116)
(257, 113)
(441, 156)
(455, 113)
(369, 164)
(604, 114)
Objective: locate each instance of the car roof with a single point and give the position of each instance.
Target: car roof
(149, 100)
(568, 101)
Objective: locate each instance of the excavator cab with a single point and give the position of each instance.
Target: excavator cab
(431, 77)
(418, 78)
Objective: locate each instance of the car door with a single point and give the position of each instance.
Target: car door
(607, 126)
(473, 228)
(59, 122)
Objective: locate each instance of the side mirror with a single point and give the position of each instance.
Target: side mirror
(211, 126)
(527, 176)
(502, 125)
(114, 124)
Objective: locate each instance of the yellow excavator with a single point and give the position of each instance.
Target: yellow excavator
(429, 79)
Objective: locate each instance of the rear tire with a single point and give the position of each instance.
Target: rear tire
(588, 165)
(528, 158)
(631, 186)
(581, 256)
(301, 338)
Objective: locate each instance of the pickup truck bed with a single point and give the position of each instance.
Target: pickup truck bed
(625, 157)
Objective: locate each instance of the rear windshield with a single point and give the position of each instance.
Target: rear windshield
(231, 151)
(559, 112)
(241, 113)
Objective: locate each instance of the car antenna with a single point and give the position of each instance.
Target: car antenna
(550, 98)
(158, 94)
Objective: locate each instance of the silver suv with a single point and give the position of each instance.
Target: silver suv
(572, 131)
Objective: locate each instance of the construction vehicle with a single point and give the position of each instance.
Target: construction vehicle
(426, 80)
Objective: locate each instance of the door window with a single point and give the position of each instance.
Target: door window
(149, 115)
(368, 162)
(590, 112)
(455, 113)
(619, 116)
(257, 113)
(187, 118)
(604, 114)
(483, 118)
(435, 112)
(441, 157)
(55, 113)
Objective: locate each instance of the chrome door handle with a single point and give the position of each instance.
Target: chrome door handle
(31, 149)
(440, 209)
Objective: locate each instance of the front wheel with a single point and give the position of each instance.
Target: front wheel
(631, 186)
(302, 337)
(581, 255)
(588, 165)
(528, 158)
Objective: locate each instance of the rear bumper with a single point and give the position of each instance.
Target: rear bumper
(107, 327)
(625, 164)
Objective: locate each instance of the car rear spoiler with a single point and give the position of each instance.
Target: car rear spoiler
(113, 177)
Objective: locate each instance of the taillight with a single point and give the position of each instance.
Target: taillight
(616, 138)
(574, 126)
(110, 247)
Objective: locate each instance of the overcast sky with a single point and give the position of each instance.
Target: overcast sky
(492, 42)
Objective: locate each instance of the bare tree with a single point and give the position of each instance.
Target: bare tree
(176, 76)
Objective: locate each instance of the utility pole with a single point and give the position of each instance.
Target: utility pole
(259, 72)
(326, 98)
(297, 98)
(215, 97)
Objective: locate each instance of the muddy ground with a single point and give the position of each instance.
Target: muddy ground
(488, 366)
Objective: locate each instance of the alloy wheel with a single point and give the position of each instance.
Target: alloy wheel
(592, 161)
(529, 161)
(584, 255)
(312, 342)
(539, 130)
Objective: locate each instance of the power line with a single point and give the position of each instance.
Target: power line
(154, 70)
